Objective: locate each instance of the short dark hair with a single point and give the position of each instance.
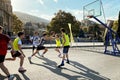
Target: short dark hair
(52, 32)
(57, 35)
(20, 33)
(62, 29)
(36, 32)
(44, 34)
(1, 27)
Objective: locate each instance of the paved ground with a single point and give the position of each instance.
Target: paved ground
(86, 63)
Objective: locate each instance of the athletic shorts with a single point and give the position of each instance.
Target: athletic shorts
(33, 48)
(40, 47)
(66, 49)
(17, 54)
(2, 58)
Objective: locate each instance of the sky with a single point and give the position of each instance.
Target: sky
(47, 8)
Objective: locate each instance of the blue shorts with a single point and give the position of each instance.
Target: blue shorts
(66, 49)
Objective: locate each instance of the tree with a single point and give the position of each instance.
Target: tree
(95, 30)
(61, 20)
(81, 33)
(17, 24)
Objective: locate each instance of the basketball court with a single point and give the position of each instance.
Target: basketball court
(84, 65)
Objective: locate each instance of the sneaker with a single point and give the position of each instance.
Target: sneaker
(60, 65)
(11, 77)
(68, 62)
(21, 69)
(42, 55)
(29, 58)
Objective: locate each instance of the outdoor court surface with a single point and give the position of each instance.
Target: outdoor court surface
(86, 63)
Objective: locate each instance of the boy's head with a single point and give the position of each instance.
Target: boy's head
(36, 33)
(1, 29)
(57, 36)
(21, 35)
(44, 34)
(52, 33)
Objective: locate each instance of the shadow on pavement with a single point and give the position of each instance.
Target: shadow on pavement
(83, 71)
(101, 52)
(2, 77)
(17, 77)
(24, 76)
(91, 74)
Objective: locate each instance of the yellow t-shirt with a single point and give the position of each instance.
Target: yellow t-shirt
(58, 42)
(16, 42)
(67, 42)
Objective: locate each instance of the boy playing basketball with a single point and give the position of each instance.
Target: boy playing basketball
(40, 46)
(17, 43)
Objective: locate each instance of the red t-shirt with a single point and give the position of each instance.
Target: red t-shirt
(4, 40)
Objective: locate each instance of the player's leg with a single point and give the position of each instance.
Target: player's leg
(62, 63)
(11, 59)
(58, 50)
(45, 50)
(35, 53)
(18, 54)
(33, 48)
(67, 55)
(63, 58)
(3, 68)
(37, 50)
(21, 69)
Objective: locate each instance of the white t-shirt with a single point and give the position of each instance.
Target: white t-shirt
(20, 42)
(36, 40)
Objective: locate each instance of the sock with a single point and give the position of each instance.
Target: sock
(62, 62)
(67, 59)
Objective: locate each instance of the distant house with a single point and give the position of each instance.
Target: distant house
(30, 28)
(6, 16)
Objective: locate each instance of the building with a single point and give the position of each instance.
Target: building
(30, 28)
(6, 16)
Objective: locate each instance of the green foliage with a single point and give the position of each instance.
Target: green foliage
(96, 31)
(81, 33)
(61, 20)
(17, 24)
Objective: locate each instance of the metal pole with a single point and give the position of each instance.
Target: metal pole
(104, 25)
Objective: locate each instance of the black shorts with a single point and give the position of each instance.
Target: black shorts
(66, 49)
(2, 58)
(17, 54)
(33, 48)
(40, 47)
